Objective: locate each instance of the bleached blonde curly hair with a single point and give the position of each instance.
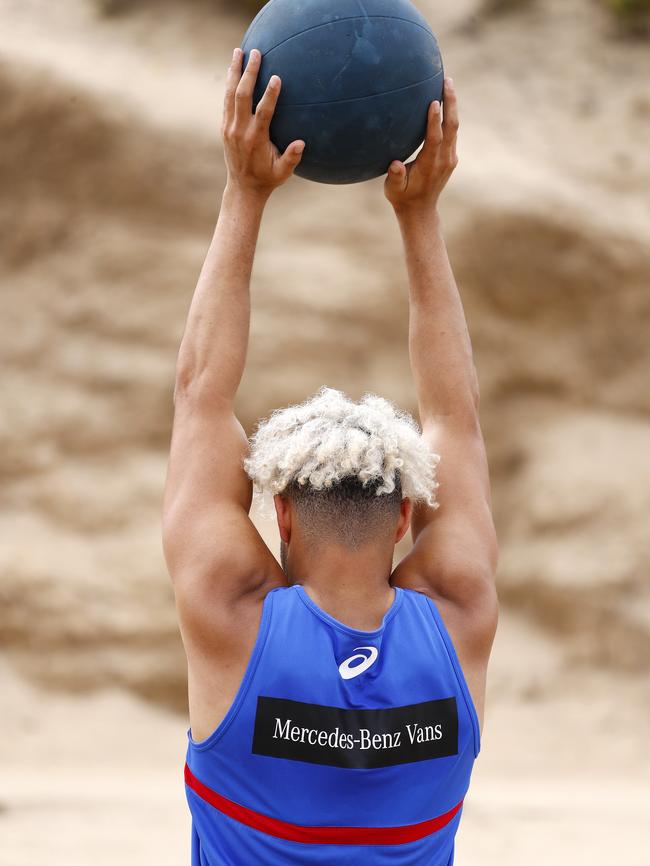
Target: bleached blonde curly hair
(329, 437)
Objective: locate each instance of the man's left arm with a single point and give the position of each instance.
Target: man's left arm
(455, 552)
(213, 551)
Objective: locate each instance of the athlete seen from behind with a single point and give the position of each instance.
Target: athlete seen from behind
(336, 703)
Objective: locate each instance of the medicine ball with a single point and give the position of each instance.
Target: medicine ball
(358, 77)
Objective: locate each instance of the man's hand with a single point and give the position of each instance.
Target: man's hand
(418, 184)
(254, 163)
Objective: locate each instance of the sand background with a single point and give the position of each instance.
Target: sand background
(110, 173)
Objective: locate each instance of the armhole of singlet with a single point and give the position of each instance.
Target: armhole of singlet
(256, 654)
(460, 676)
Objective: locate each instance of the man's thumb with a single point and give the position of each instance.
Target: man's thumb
(396, 173)
(290, 158)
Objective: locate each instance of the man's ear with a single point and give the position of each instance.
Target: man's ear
(406, 510)
(283, 513)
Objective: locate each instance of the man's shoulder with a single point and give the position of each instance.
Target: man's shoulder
(470, 618)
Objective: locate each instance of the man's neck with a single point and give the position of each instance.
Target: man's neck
(352, 588)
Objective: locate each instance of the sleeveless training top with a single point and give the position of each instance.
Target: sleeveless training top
(341, 746)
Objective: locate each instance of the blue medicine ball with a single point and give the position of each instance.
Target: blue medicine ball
(357, 76)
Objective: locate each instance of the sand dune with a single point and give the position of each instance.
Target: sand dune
(111, 172)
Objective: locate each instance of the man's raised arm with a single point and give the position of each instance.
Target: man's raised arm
(213, 551)
(454, 555)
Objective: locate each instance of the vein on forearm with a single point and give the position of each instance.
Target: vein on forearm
(213, 350)
(440, 348)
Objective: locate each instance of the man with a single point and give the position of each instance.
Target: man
(335, 703)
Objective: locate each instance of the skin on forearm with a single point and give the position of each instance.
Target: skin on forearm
(439, 344)
(440, 348)
(212, 355)
(213, 350)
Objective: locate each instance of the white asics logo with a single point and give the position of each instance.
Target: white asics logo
(366, 661)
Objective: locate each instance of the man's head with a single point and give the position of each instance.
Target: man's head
(342, 472)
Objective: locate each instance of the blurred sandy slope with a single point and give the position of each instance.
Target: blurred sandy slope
(110, 171)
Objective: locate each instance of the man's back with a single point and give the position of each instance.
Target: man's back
(337, 739)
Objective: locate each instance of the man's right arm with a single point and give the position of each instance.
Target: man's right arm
(454, 554)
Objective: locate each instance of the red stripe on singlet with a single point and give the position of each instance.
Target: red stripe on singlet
(318, 835)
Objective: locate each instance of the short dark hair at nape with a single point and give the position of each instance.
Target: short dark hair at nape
(348, 512)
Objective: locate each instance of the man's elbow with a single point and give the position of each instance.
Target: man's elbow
(201, 389)
(187, 380)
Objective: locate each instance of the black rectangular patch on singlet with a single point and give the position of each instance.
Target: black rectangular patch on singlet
(360, 739)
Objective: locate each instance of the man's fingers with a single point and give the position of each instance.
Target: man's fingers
(450, 122)
(266, 105)
(232, 80)
(245, 88)
(287, 163)
(433, 139)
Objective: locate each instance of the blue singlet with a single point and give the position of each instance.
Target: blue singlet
(341, 746)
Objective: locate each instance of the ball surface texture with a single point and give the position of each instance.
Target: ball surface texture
(358, 77)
